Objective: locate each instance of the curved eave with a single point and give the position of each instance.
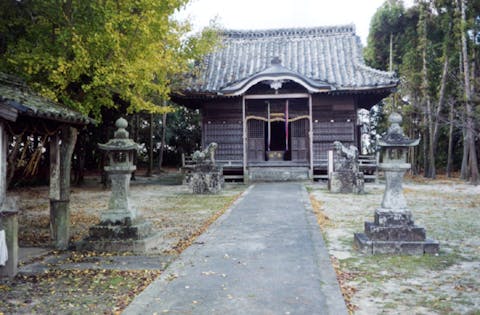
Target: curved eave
(403, 143)
(64, 116)
(113, 146)
(391, 87)
(242, 86)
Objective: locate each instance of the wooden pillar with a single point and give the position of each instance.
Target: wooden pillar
(310, 133)
(60, 166)
(244, 136)
(8, 212)
(356, 128)
(3, 162)
(269, 127)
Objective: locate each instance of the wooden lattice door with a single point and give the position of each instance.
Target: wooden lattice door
(299, 140)
(256, 140)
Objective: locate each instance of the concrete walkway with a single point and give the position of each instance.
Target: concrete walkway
(263, 256)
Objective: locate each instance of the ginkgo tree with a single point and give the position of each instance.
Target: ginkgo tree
(87, 54)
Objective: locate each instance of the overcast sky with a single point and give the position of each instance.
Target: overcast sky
(267, 14)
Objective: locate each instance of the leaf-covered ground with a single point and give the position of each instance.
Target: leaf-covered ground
(75, 291)
(447, 283)
(99, 283)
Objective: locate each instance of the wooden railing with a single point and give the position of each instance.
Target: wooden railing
(367, 165)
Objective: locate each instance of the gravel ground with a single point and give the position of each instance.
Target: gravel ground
(447, 283)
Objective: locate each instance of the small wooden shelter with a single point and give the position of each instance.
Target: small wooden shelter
(22, 111)
(276, 100)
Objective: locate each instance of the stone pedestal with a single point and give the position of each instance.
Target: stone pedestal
(120, 228)
(129, 236)
(120, 210)
(206, 179)
(346, 182)
(393, 230)
(345, 177)
(9, 223)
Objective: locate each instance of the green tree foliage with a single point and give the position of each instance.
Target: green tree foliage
(100, 53)
(427, 55)
(183, 134)
(391, 19)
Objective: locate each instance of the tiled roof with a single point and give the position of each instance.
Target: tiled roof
(327, 55)
(15, 94)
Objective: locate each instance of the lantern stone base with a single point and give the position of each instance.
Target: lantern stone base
(121, 232)
(373, 247)
(149, 245)
(394, 232)
(136, 237)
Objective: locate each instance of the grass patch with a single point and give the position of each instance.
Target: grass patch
(401, 265)
(442, 284)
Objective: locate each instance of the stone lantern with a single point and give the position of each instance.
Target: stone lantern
(393, 229)
(120, 228)
(120, 152)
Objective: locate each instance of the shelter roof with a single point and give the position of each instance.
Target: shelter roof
(17, 99)
(321, 58)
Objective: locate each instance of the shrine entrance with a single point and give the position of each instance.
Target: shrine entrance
(277, 132)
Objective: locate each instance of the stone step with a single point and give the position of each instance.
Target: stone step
(277, 174)
(394, 233)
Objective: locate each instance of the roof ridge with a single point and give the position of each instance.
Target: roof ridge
(300, 31)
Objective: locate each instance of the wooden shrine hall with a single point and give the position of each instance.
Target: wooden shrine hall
(276, 100)
(25, 113)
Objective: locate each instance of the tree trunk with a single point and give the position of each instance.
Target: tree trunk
(425, 139)
(61, 151)
(162, 145)
(134, 132)
(79, 166)
(150, 148)
(465, 169)
(472, 175)
(435, 132)
(450, 140)
(429, 156)
(430, 170)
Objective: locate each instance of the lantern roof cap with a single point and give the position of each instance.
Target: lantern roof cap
(395, 136)
(120, 141)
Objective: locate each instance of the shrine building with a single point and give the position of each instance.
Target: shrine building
(275, 100)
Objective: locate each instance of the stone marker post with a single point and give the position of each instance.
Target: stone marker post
(393, 229)
(8, 212)
(9, 223)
